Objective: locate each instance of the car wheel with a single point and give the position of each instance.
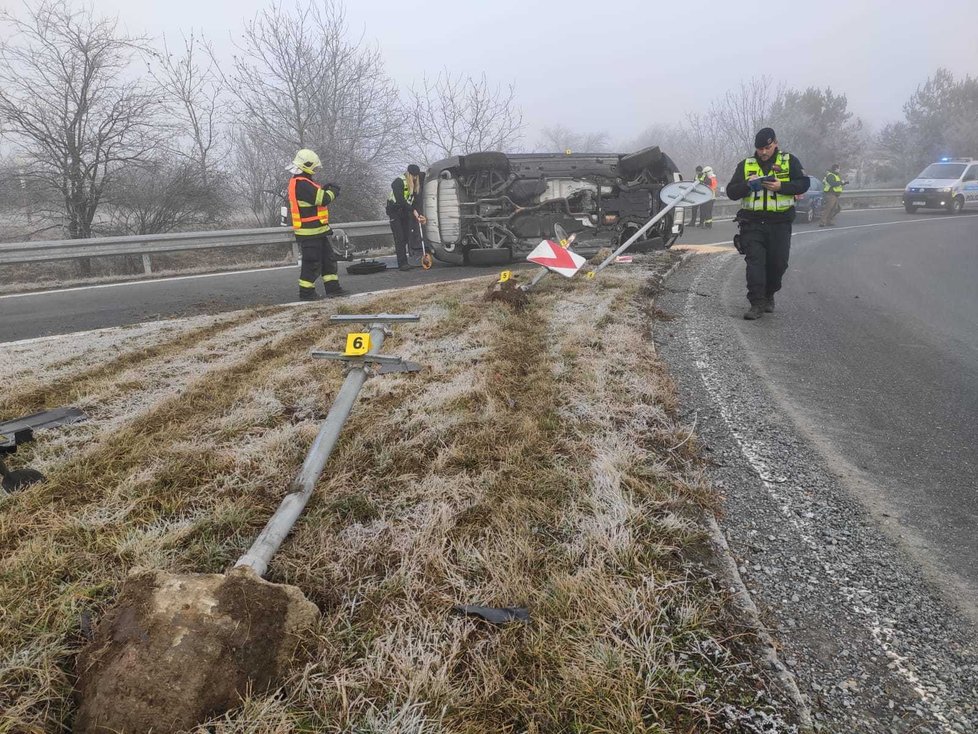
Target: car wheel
(956, 206)
(487, 161)
(909, 209)
(634, 162)
(485, 256)
(452, 258)
(810, 215)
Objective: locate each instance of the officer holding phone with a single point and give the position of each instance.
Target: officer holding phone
(767, 183)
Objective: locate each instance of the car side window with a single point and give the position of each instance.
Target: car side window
(971, 174)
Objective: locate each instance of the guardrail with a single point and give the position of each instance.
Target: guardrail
(147, 245)
(849, 200)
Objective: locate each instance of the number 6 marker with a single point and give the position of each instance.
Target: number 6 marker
(357, 343)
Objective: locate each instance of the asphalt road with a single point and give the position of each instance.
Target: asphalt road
(69, 310)
(873, 350)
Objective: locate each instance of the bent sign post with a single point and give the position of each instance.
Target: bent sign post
(553, 256)
(689, 193)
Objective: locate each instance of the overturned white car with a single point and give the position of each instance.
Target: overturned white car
(489, 207)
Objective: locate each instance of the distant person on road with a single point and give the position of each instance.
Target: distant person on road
(767, 182)
(695, 210)
(309, 211)
(404, 212)
(706, 208)
(831, 191)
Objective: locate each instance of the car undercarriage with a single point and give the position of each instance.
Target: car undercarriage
(490, 207)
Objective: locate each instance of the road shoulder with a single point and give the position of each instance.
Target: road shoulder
(872, 647)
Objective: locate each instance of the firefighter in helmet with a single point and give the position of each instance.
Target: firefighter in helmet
(309, 210)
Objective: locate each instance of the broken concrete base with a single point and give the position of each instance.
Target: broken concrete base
(508, 292)
(176, 650)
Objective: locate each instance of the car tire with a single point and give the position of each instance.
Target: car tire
(636, 162)
(488, 256)
(810, 214)
(443, 255)
(909, 209)
(956, 205)
(491, 161)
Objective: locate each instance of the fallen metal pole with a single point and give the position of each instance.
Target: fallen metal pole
(300, 491)
(665, 210)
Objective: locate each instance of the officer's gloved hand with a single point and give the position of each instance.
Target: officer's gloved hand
(335, 188)
(754, 184)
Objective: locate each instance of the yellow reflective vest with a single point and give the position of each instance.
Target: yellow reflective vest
(833, 183)
(764, 200)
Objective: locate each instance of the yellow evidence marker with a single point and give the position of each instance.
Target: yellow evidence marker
(505, 275)
(357, 344)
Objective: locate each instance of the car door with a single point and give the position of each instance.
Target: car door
(970, 183)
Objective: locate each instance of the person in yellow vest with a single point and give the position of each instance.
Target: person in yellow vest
(831, 191)
(706, 208)
(766, 183)
(403, 206)
(309, 211)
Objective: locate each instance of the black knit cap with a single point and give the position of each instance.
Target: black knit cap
(765, 136)
(414, 170)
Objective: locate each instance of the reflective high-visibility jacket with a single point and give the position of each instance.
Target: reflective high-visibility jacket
(764, 200)
(308, 206)
(408, 196)
(400, 200)
(833, 183)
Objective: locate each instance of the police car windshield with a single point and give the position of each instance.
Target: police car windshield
(943, 170)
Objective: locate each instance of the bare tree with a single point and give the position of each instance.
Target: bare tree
(260, 176)
(70, 106)
(559, 139)
(708, 143)
(194, 94)
(167, 196)
(455, 115)
(818, 127)
(301, 82)
(740, 113)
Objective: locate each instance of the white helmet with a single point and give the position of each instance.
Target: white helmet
(707, 170)
(307, 161)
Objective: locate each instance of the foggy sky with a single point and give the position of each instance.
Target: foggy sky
(622, 65)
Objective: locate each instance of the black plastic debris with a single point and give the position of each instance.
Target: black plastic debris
(20, 431)
(495, 615)
(366, 267)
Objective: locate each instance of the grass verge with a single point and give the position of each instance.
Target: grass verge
(537, 461)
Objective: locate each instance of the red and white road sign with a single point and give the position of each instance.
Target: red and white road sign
(554, 257)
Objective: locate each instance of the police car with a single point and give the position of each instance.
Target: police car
(950, 183)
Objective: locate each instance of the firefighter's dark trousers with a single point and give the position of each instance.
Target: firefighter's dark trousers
(318, 259)
(766, 246)
(706, 213)
(401, 229)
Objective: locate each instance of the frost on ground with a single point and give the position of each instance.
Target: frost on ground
(536, 461)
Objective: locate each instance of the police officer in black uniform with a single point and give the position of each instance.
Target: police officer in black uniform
(767, 183)
(404, 212)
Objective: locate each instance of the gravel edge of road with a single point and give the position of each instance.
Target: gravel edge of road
(910, 649)
(744, 602)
